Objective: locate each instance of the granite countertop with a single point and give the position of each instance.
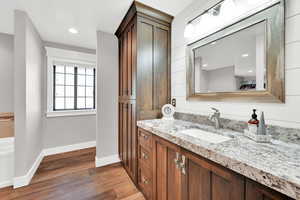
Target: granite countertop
(276, 164)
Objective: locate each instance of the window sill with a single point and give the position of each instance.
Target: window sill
(70, 113)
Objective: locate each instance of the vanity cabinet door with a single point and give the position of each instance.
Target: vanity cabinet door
(198, 180)
(167, 178)
(208, 181)
(255, 191)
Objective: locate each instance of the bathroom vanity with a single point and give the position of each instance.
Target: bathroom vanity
(176, 163)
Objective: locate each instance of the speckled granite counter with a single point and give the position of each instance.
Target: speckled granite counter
(276, 165)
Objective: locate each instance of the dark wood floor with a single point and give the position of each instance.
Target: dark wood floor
(74, 176)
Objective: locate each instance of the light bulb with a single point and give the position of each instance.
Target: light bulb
(73, 30)
(189, 30)
(228, 10)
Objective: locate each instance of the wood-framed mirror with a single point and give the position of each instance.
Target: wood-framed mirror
(241, 62)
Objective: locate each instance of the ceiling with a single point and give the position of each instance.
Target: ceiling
(53, 18)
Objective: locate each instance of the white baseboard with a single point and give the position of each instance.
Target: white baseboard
(68, 148)
(6, 184)
(25, 180)
(101, 162)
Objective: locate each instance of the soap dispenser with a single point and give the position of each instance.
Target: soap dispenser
(257, 129)
(253, 123)
(262, 125)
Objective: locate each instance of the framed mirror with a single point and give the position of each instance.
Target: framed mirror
(241, 62)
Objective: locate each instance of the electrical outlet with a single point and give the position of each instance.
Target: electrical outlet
(173, 102)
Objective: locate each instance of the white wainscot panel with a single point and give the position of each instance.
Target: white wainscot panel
(292, 58)
(178, 65)
(292, 7)
(292, 82)
(179, 90)
(178, 77)
(292, 29)
(287, 115)
(178, 53)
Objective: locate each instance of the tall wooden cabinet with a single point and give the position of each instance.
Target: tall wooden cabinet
(144, 75)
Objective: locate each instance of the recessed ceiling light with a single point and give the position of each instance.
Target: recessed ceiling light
(204, 65)
(250, 71)
(214, 43)
(73, 30)
(245, 55)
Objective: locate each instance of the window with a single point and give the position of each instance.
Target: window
(73, 86)
(71, 83)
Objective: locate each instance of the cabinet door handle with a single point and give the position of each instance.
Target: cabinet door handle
(144, 156)
(177, 160)
(145, 181)
(183, 165)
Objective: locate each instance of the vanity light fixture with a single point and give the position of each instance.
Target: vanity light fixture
(189, 30)
(73, 31)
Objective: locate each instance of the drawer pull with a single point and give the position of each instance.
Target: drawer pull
(177, 160)
(183, 165)
(144, 156)
(144, 181)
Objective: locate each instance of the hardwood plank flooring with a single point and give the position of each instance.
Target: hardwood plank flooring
(73, 176)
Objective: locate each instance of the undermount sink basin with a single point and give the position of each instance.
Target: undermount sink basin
(206, 136)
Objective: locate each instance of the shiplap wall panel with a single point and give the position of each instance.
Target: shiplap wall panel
(287, 115)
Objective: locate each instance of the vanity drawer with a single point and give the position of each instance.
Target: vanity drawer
(145, 157)
(145, 181)
(145, 139)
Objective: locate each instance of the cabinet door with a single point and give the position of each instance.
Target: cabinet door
(166, 176)
(255, 191)
(127, 62)
(131, 139)
(131, 61)
(128, 137)
(153, 67)
(206, 180)
(120, 122)
(124, 134)
(122, 66)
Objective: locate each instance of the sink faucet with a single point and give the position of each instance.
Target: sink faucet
(215, 117)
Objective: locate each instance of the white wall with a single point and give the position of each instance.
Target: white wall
(6, 72)
(107, 95)
(222, 79)
(28, 106)
(287, 114)
(67, 130)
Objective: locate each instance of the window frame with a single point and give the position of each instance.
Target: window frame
(76, 66)
(56, 56)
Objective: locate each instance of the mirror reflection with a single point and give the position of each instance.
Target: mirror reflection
(234, 63)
